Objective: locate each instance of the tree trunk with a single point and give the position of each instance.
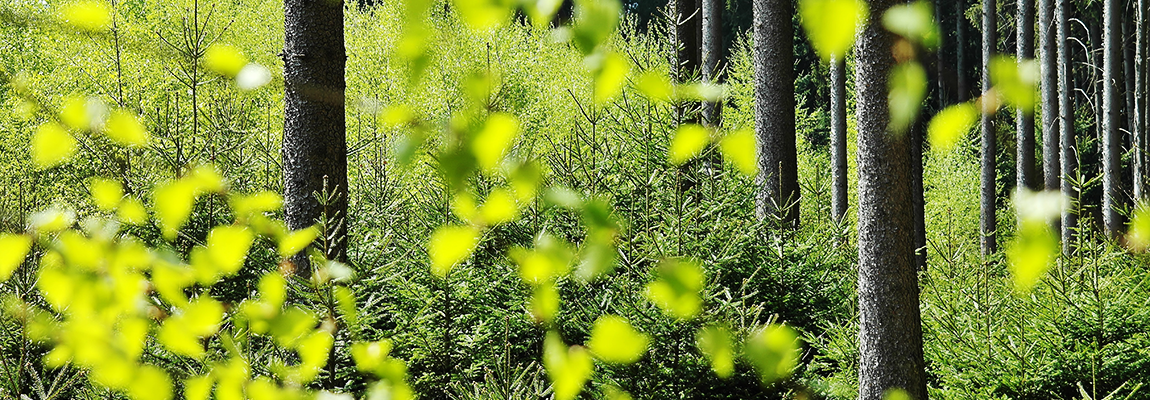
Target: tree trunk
(1111, 136)
(890, 325)
(1140, 134)
(712, 56)
(960, 51)
(987, 221)
(688, 29)
(917, 198)
(1048, 59)
(839, 200)
(315, 143)
(778, 195)
(1128, 113)
(1024, 119)
(1069, 160)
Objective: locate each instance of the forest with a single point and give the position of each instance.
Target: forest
(574, 199)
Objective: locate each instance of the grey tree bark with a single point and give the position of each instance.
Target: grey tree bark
(1111, 136)
(778, 195)
(712, 56)
(1048, 59)
(890, 324)
(917, 196)
(1128, 114)
(1068, 159)
(960, 51)
(987, 221)
(314, 142)
(1024, 119)
(839, 200)
(1140, 134)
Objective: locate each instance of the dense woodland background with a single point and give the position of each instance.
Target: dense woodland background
(1081, 332)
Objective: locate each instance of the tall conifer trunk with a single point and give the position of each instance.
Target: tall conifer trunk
(987, 222)
(1048, 59)
(712, 56)
(314, 142)
(1024, 119)
(1111, 136)
(775, 111)
(1069, 143)
(890, 325)
(839, 200)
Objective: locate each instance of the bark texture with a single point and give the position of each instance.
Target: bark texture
(1111, 136)
(987, 221)
(712, 56)
(1140, 41)
(1069, 143)
(778, 195)
(1024, 119)
(314, 143)
(890, 325)
(963, 83)
(839, 200)
(1048, 59)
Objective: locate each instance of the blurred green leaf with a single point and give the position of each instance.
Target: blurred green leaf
(568, 367)
(13, 249)
(223, 59)
(907, 92)
(228, 247)
(831, 24)
(741, 148)
(614, 340)
(610, 72)
(715, 343)
(688, 143)
(914, 21)
(296, 241)
(173, 205)
(51, 145)
(124, 128)
(449, 246)
(1016, 81)
(493, 141)
(677, 289)
(951, 125)
(87, 15)
(1030, 255)
(595, 21)
(774, 351)
(481, 15)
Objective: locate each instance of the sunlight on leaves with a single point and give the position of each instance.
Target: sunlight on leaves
(296, 241)
(492, 142)
(106, 193)
(1137, 237)
(123, 128)
(542, 11)
(1016, 81)
(181, 333)
(831, 24)
(228, 247)
(741, 149)
(677, 290)
(91, 16)
(688, 142)
(449, 246)
(545, 302)
(614, 393)
(951, 125)
(595, 21)
(482, 15)
(1035, 246)
(13, 249)
(907, 91)
(173, 205)
(614, 340)
(774, 351)
(224, 59)
(568, 367)
(198, 387)
(51, 145)
(895, 394)
(132, 211)
(52, 220)
(610, 72)
(656, 86)
(914, 21)
(253, 76)
(715, 343)
(500, 207)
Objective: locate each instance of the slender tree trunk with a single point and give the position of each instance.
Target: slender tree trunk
(775, 111)
(1111, 138)
(1140, 134)
(942, 97)
(960, 51)
(712, 56)
(688, 39)
(1128, 111)
(839, 201)
(917, 198)
(890, 325)
(989, 145)
(1024, 119)
(315, 143)
(1048, 59)
(1068, 158)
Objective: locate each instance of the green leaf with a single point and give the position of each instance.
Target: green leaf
(716, 344)
(568, 368)
(313, 351)
(549, 259)
(1016, 81)
(1137, 237)
(106, 193)
(296, 241)
(907, 92)
(51, 145)
(77, 112)
(91, 16)
(595, 21)
(951, 125)
(614, 340)
(131, 211)
(542, 12)
(123, 128)
(499, 208)
(150, 383)
(492, 142)
(449, 246)
(610, 72)
(1030, 255)
(291, 326)
(656, 86)
(741, 148)
(255, 204)
(774, 351)
(677, 291)
(345, 303)
(173, 202)
(689, 142)
(831, 24)
(228, 247)
(914, 21)
(545, 302)
(482, 15)
(198, 388)
(224, 59)
(13, 249)
(181, 333)
(895, 394)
